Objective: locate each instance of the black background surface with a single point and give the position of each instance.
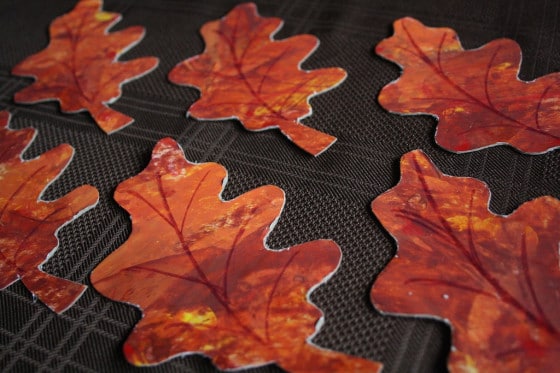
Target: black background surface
(326, 197)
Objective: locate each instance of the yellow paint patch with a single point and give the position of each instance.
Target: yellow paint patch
(470, 365)
(262, 110)
(486, 225)
(459, 222)
(502, 66)
(103, 16)
(199, 318)
(454, 110)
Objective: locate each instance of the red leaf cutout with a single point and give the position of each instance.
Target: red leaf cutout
(79, 68)
(476, 94)
(198, 268)
(28, 225)
(495, 279)
(245, 74)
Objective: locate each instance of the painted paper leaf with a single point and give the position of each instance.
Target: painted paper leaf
(245, 74)
(79, 68)
(28, 225)
(476, 94)
(198, 268)
(495, 279)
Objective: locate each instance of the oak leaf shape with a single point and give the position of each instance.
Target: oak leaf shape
(245, 74)
(494, 278)
(28, 225)
(476, 94)
(198, 268)
(79, 68)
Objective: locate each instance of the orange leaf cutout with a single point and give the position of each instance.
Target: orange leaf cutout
(476, 94)
(495, 279)
(245, 74)
(198, 268)
(79, 68)
(28, 225)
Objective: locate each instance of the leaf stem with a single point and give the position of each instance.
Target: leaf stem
(309, 139)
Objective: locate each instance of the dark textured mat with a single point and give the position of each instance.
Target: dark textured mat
(327, 197)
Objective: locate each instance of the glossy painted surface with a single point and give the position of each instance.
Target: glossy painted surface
(495, 279)
(28, 225)
(198, 268)
(244, 74)
(79, 68)
(476, 94)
